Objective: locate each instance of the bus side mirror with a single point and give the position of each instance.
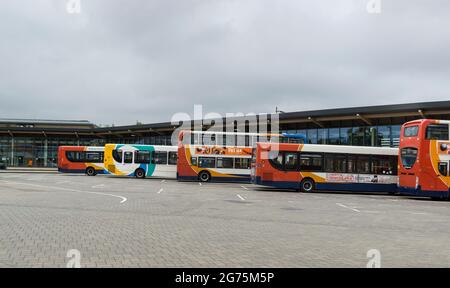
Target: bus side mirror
(444, 147)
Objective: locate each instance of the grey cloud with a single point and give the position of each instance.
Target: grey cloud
(122, 61)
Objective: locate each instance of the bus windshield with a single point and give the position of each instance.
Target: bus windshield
(408, 157)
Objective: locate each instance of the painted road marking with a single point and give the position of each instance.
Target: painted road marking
(240, 197)
(245, 188)
(162, 181)
(123, 199)
(344, 206)
(160, 190)
(199, 183)
(98, 186)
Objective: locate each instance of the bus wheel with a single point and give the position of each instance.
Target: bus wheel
(90, 171)
(307, 185)
(204, 176)
(139, 173)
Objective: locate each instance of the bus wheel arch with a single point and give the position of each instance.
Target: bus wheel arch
(139, 173)
(204, 176)
(307, 185)
(90, 171)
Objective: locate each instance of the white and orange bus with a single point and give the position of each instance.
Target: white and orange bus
(221, 156)
(310, 167)
(424, 158)
(81, 159)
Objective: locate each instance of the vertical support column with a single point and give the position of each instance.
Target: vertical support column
(45, 152)
(12, 151)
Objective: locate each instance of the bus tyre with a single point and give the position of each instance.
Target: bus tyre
(204, 176)
(90, 171)
(139, 173)
(307, 185)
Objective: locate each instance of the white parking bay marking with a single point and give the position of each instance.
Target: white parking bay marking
(240, 197)
(346, 207)
(160, 190)
(98, 186)
(123, 199)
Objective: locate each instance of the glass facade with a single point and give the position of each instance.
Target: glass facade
(43, 152)
(40, 151)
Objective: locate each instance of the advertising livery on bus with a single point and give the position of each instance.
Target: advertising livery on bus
(141, 161)
(424, 158)
(81, 159)
(220, 156)
(310, 167)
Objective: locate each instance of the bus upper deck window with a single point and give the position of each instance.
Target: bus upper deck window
(437, 132)
(411, 131)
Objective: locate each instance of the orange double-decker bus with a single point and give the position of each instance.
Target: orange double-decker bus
(221, 156)
(424, 158)
(81, 159)
(310, 167)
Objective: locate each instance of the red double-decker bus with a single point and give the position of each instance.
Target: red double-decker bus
(81, 159)
(310, 167)
(424, 158)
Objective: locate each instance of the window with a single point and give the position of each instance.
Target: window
(225, 163)
(437, 132)
(335, 163)
(208, 139)
(363, 165)
(333, 136)
(291, 161)
(351, 164)
(206, 162)
(312, 136)
(322, 136)
(241, 163)
(408, 157)
(159, 157)
(443, 168)
(194, 161)
(382, 164)
(94, 157)
(75, 156)
(310, 162)
(411, 131)
(128, 157)
(142, 157)
(117, 155)
(173, 157)
(276, 159)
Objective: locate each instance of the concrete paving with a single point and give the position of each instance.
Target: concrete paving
(127, 222)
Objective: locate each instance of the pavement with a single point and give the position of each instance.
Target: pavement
(127, 222)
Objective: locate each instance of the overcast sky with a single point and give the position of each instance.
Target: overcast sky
(123, 61)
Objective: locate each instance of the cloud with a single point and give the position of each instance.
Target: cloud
(123, 61)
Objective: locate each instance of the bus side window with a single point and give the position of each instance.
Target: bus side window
(142, 157)
(194, 161)
(291, 161)
(128, 157)
(117, 155)
(173, 157)
(443, 168)
(159, 157)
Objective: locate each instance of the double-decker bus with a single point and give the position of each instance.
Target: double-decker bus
(81, 159)
(141, 161)
(310, 167)
(221, 156)
(424, 158)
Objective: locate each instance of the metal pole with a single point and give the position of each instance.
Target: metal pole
(45, 151)
(12, 151)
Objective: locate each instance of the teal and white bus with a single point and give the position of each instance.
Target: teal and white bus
(141, 161)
